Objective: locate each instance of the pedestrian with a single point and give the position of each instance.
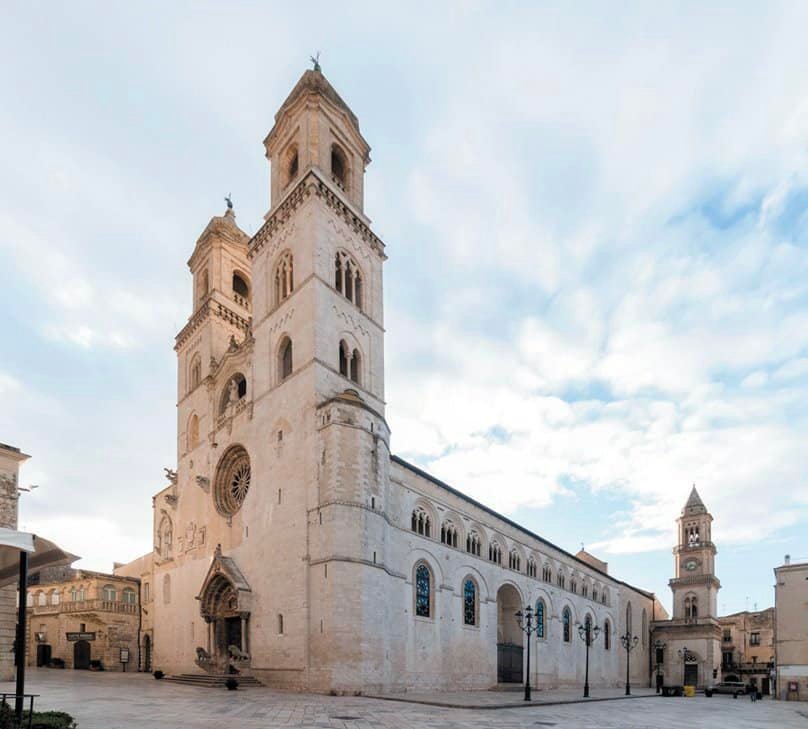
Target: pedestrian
(753, 692)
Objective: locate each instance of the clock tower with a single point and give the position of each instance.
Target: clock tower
(695, 586)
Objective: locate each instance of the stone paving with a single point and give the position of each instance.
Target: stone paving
(137, 701)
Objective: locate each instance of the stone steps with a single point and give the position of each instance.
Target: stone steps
(209, 680)
(508, 687)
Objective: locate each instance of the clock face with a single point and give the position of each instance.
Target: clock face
(691, 565)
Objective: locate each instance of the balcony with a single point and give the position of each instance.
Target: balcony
(242, 301)
(89, 606)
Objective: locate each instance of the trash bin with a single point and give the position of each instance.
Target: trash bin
(690, 691)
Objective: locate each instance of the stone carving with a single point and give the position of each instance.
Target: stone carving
(194, 537)
(203, 658)
(354, 324)
(171, 475)
(348, 238)
(236, 654)
(203, 482)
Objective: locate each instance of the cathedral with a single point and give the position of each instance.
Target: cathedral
(290, 544)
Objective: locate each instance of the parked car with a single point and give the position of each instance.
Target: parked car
(736, 688)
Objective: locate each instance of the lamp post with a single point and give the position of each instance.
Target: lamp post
(658, 646)
(629, 641)
(525, 622)
(685, 655)
(588, 634)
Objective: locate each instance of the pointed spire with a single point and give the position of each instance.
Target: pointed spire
(694, 503)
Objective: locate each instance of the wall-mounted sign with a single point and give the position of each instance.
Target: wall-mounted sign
(124, 655)
(80, 636)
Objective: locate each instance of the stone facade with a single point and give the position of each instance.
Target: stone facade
(791, 630)
(79, 617)
(10, 460)
(289, 544)
(747, 647)
(142, 570)
(692, 637)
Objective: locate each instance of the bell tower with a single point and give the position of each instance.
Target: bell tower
(695, 586)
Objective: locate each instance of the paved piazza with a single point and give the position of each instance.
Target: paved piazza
(135, 701)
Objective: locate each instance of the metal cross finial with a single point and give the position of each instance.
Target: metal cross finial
(229, 200)
(315, 59)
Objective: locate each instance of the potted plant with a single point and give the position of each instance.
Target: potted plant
(231, 684)
(158, 674)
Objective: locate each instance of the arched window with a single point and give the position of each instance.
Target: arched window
(574, 586)
(350, 363)
(165, 537)
(420, 522)
(514, 560)
(292, 164)
(605, 597)
(348, 278)
(284, 277)
(193, 431)
(29, 599)
(691, 610)
(473, 543)
(531, 567)
(469, 602)
(607, 635)
(494, 553)
(547, 573)
(195, 372)
(204, 285)
(240, 286)
(644, 626)
(129, 596)
(108, 593)
(566, 620)
(339, 167)
(541, 625)
(74, 594)
(628, 619)
(585, 590)
(234, 390)
(561, 580)
(166, 589)
(423, 591)
(595, 594)
(41, 599)
(54, 597)
(285, 358)
(448, 534)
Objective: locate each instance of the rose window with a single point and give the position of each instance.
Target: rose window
(232, 481)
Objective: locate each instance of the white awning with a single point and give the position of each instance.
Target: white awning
(41, 553)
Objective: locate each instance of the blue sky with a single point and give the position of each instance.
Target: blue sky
(597, 227)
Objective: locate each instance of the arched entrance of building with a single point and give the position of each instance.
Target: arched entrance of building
(509, 636)
(224, 603)
(691, 671)
(147, 653)
(81, 654)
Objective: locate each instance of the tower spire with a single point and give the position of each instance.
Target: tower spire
(694, 503)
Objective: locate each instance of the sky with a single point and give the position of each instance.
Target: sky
(596, 217)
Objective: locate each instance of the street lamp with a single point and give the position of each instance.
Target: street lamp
(525, 622)
(629, 641)
(686, 656)
(658, 647)
(588, 635)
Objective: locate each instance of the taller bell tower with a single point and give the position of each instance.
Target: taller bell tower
(695, 586)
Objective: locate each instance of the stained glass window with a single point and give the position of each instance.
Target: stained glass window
(566, 618)
(540, 619)
(422, 591)
(469, 603)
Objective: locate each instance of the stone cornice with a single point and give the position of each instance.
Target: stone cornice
(208, 308)
(694, 580)
(313, 183)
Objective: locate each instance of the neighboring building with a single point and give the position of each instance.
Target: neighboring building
(81, 617)
(791, 630)
(10, 460)
(747, 647)
(692, 637)
(290, 544)
(142, 569)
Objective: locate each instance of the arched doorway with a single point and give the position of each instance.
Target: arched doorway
(509, 636)
(224, 603)
(81, 654)
(147, 653)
